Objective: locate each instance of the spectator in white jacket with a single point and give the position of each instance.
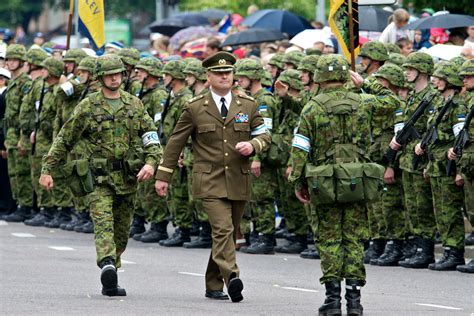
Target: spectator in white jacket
(393, 32)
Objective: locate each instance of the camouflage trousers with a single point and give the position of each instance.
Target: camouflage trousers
(393, 210)
(313, 220)
(19, 172)
(112, 215)
(81, 204)
(178, 200)
(262, 207)
(340, 230)
(290, 207)
(419, 205)
(43, 198)
(469, 199)
(149, 204)
(448, 200)
(377, 223)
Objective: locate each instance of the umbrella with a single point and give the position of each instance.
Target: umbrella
(176, 23)
(252, 36)
(213, 14)
(307, 38)
(195, 48)
(445, 21)
(373, 19)
(444, 52)
(281, 20)
(191, 33)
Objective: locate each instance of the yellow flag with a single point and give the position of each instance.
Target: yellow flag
(339, 23)
(91, 21)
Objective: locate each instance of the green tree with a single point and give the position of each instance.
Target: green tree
(19, 12)
(459, 6)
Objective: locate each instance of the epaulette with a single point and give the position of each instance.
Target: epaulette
(244, 96)
(198, 97)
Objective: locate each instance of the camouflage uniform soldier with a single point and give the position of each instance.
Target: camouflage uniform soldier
(71, 60)
(118, 136)
(465, 164)
(417, 192)
(330, 126)
(19, 170)
(307, 67)
(130, 57)
(448, 197)
(265, 179)
(373, 56)
(276, 66)
(148, 204)
(178, 201)
(396, 59)
(288, 87)
(292, 60)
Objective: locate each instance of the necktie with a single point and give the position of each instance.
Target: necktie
(223, 108)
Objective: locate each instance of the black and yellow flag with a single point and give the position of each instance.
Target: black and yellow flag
(339, 23)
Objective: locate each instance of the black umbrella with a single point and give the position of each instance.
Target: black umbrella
(445, 21)
(213, 14)
(178, 22)
(252, 36)
(281, 20)
(372, 18)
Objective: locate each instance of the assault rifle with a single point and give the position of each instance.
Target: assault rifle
(461, 141)
(38, 113)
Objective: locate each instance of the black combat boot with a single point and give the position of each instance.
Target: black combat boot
(180, 236)
(204, 240)
(45, 215)
(85, 223)
(296, 244)
(423, 257)
(63, 215)
(156, 233)
(410, 246)
(392, 254)
(19, 215)
(74, 215)
(353, 297)
(466, 268)
(109, 279)
(452, 258)
(375, 250)
(79, 219)
(310, 254)
(195, 229)
(469, 241)
(264, 247)
(332, 303)
(88, 227)
(138, 225)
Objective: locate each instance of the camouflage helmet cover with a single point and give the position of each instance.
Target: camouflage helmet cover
(108, 64)
(74, 55)
(291, 77)
(467, 68)
(396, 59)
(420, 61)
(35, 56)
(16, 51)
(129, 55)
(392, 48)
(392, 73)
(175, 68)
(88, 64)
(267, 79)
(53, 66)
(195, 68)
(276, 61)
(374, 50)
(250, 68)
(309, 63)
(331, 67)
(293, 58)
(449, 72)
(151, 65)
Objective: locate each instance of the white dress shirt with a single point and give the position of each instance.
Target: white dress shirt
(217, 100)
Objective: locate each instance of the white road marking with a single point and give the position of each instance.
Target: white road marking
(60, 248)
(3, 223)
(191, 273)
(128, 262)
(120, 270)
(295, 288)
(439, 306)
(23, 235)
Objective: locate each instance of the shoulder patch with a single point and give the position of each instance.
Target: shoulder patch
(198, 97)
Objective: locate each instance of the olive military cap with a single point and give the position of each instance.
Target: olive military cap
(219, 62)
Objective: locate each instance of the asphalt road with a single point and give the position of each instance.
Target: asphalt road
(53, 272)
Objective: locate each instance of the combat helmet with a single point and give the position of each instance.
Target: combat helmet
(309, 63)
(195, 68)
(392, 48)
(291, 77)
(35, 56)
(16, 51)
(420, 61)
(331, 67)
(458, 60)
(151, 65)
(74, 55)
(374, 50)
(467, 68)
(449, 72)
(250, 68)
(109, 64)
(396, 59)
(54, 67)
(129, 55)
(277, 61)
(88, 64)
(175, 68)
(392, 73)
(267, 79)
(293, 58)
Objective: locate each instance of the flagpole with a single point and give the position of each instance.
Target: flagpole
(69, 24)
(351, 36)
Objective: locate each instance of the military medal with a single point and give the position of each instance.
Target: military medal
(241, 118)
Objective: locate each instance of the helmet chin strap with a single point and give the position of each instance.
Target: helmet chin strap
(108, 87)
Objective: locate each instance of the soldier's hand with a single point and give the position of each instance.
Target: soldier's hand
(459, 180)
(3, 154)
(303, 195)
(32, 137)
(451, 154)
(357, 79)
(255, 168)
(244, 148)
(281, 88)
(46, 181)
(288, 171)
(418, 150)
(146, 173)
(389, 176)
(161, 188)
(394, 145)
(426, 176)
